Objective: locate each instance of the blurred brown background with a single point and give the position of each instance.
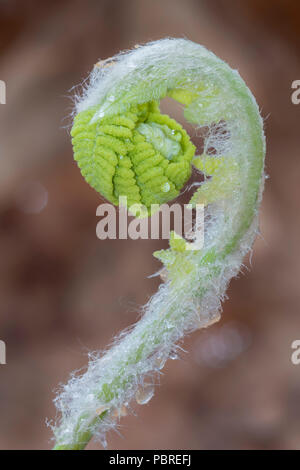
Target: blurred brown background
(64, 292)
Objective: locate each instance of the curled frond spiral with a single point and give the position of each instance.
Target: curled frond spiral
(125, 146)
(140, 154)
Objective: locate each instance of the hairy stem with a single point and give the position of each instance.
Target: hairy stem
(213, 95)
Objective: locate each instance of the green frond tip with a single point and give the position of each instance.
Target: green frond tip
(141, 154)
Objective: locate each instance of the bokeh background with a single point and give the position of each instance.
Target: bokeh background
(64, 292)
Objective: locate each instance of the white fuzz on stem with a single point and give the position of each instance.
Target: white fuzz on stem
(216, 98)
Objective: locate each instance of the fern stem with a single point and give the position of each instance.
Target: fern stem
(214, 95)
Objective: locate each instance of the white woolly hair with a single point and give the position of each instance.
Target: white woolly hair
(192, 301)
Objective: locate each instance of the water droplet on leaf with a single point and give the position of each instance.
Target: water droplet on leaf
(173, 356)
(166, 187)
(160, 362)
(144, 394)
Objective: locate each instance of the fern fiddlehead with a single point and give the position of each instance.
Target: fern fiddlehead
(125, 146)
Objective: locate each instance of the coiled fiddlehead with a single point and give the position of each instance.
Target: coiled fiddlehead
(125, 146)
(141, 154)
